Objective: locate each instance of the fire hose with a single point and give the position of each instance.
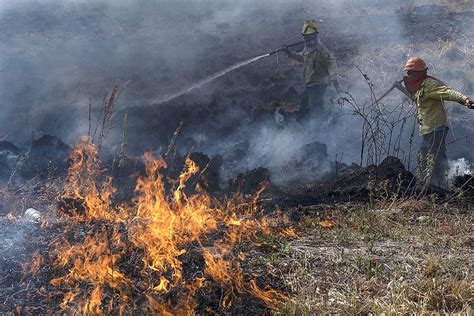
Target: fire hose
(284, 47)
(388, 91)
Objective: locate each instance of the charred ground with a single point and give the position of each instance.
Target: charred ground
(384, 241)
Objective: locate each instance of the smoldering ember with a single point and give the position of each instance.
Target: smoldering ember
(236, 157)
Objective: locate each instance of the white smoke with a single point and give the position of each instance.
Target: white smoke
(459, 167)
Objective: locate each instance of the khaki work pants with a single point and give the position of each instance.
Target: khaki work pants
(432, 159)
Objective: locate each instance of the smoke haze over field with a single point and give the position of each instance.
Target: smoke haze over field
(55, 55)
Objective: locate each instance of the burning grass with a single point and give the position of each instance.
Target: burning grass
(164, 252)
(173, 249)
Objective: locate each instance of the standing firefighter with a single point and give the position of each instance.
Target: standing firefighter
(429, 95)
(319, 70)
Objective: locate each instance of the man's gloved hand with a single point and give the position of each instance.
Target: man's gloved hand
(469, 103)
(399, 85)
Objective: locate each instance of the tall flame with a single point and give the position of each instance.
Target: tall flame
(158, 228)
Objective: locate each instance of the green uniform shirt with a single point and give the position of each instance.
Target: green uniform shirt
(319, 66)
(429, 101)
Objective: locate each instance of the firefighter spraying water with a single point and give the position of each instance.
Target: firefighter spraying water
(320, 71)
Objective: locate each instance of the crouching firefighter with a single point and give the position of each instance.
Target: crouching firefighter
(319, 71)
(429, 95)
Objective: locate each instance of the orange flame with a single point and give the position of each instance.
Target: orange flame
(10, 216)
(82, 186)
(93, 263)
(326, 223)
(160, 227)
(270, 297)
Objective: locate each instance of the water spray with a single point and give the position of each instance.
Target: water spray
(220, 74)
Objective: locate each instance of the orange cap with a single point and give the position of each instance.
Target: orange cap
(415, 64)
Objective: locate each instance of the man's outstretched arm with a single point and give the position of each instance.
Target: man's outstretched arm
(293, 55)
(447, 94)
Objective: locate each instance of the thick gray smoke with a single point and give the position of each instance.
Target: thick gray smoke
(58, 55)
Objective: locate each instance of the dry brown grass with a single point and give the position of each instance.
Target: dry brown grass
(414, 258)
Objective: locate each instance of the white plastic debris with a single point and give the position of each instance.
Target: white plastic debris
(32, 215)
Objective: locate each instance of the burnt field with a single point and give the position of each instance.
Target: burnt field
(121, 195)
(164, 236)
